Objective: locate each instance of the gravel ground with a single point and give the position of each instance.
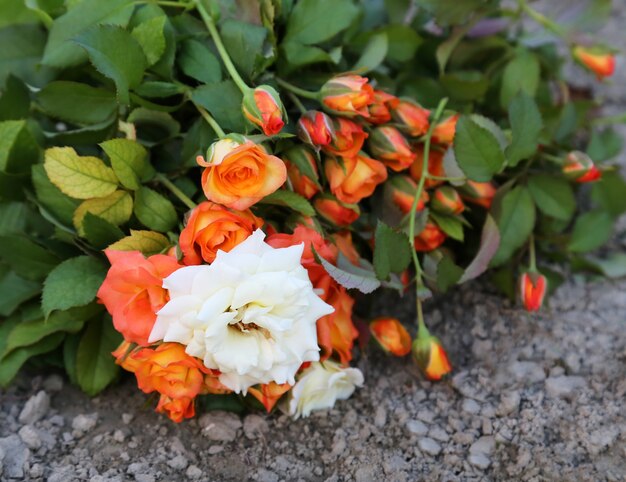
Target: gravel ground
(531, 398)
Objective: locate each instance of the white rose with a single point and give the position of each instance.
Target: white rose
(320, 386)
(251, 314)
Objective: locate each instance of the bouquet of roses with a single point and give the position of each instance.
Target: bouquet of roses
(240, 216)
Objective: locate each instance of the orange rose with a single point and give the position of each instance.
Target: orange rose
(356, 179)
(177, 409)
(348, 95)
(402, 193)
(301, 182)
(413, 118)
(240, 175)
(391, 335)
(343, 241)
(132, 291)
(480, 193)
(336, 332)
(431, 358)
(263, 108)
(598, 60)
(336, 212)
(315, 128)
(435, 166)
(389, 145)
(269, 393)
(212, 227)
(430, 238)
(380, 110)
(443, 133)
(532, 289)
(447, 200)
(347, 139)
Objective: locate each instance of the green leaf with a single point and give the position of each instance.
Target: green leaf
(28, 259)
(115, 208)
(18, 148)
(99, 232)
(449, 12)
(351, 277)
(603, 145)
(553, 195)
(315, 21)
(515, 217)
(489, 243)
(11, 364)
(149, 35)
(77, 103)
(465, 85)
(129, 161)
(450, 225)
(77, 176)
(246, 45)
(148, 242)
(223, 101)
(95, 367)
(60, 50)
(373, 54)
(70, 347)
(51, 197)
(445, 49)
(198, 62)
(392, 252)
(115, 54)
(610, 193)
(291, 200)
(297, 55)
(526, 124)
(74, 282)
(14, 291)
(520, 74)
(448, 273)
(20, 54)
(403, 43)
(13, 217)
(477, 150)
(154, 210)
(15, 100)
(591, 231)
(12, 12)
(614, 266)
(158, 89)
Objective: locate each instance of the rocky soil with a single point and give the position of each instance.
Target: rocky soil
(533, 398)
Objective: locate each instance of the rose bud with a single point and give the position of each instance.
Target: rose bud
(354, 178)
(333, 210)
(480, 193)
(443, 133)
(315, 128)
(389, 145)
(269, 393)
(431, 358)
(403, 190)
(263, 108)
(430, 238)
(532, 290)
(300, 180)
(435, 166)
(391, 335)
(412, 117)
(347, 139)
(380, 110)
(446, 200)
(343, 241)
(579, 167)
(177, 409)
(348, 95)
(598, 60)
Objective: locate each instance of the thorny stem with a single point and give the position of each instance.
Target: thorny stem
(297, 90)
(541, 18)
(210, 24)
(533, 259)
(422, 330)
(176, 191)
(211, 121)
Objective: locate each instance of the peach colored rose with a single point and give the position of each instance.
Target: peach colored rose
(435, 166)
(430, 238)
(391, 335)
(263, 108)
(356, 179)
(240, 175)
(132, 291)
(348, 95)
(443, 133)
(347, 138)
(599, 61)
(269, 393)
(177, 409)
(380, 110)
(212, 227)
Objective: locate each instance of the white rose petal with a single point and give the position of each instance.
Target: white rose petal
(320, 386)
(251, 314)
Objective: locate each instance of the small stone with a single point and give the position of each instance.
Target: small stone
(416, 427)
(429, 446)
(36, 471)
(127, 418)
(15, 456)
(439, 434)
(509, 403)
(380, 417)
(264, 475)
(35, 408)
(215, 449)
(119, 436)
(564, 386)
(84, 423)
(57, 420)
(484, 445)
(54, 383)
(178, 463)
(193, 472)
(470, 406)
(254, 426)
(220, 426)
(480, 461)
(144, 477)
(526, 371)
(30, 437)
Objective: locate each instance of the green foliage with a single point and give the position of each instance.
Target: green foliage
(553, 195)
(392, 252)
(477, 150)
(154, 210)
(515, 216)
(89, 105)
(291, 200)
(525, 120)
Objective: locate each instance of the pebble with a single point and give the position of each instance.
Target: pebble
(438, 433)
(84, 423)
(509, 403)
(35, 408)
(178, 463)
(255, 426)
(480, 461)
(15, 456)
(220, 426)
(484, 445)
(30, 437)
(429, 446)
(527, 371)
(416, 427)
(53, 383)
(144, 477)
(193, 472)
(470, 406)
(564, 386)
(380, 417)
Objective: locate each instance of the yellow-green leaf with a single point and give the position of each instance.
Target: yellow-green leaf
(129, 161)
(115, 208)
(148, 242)
(81, 177)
